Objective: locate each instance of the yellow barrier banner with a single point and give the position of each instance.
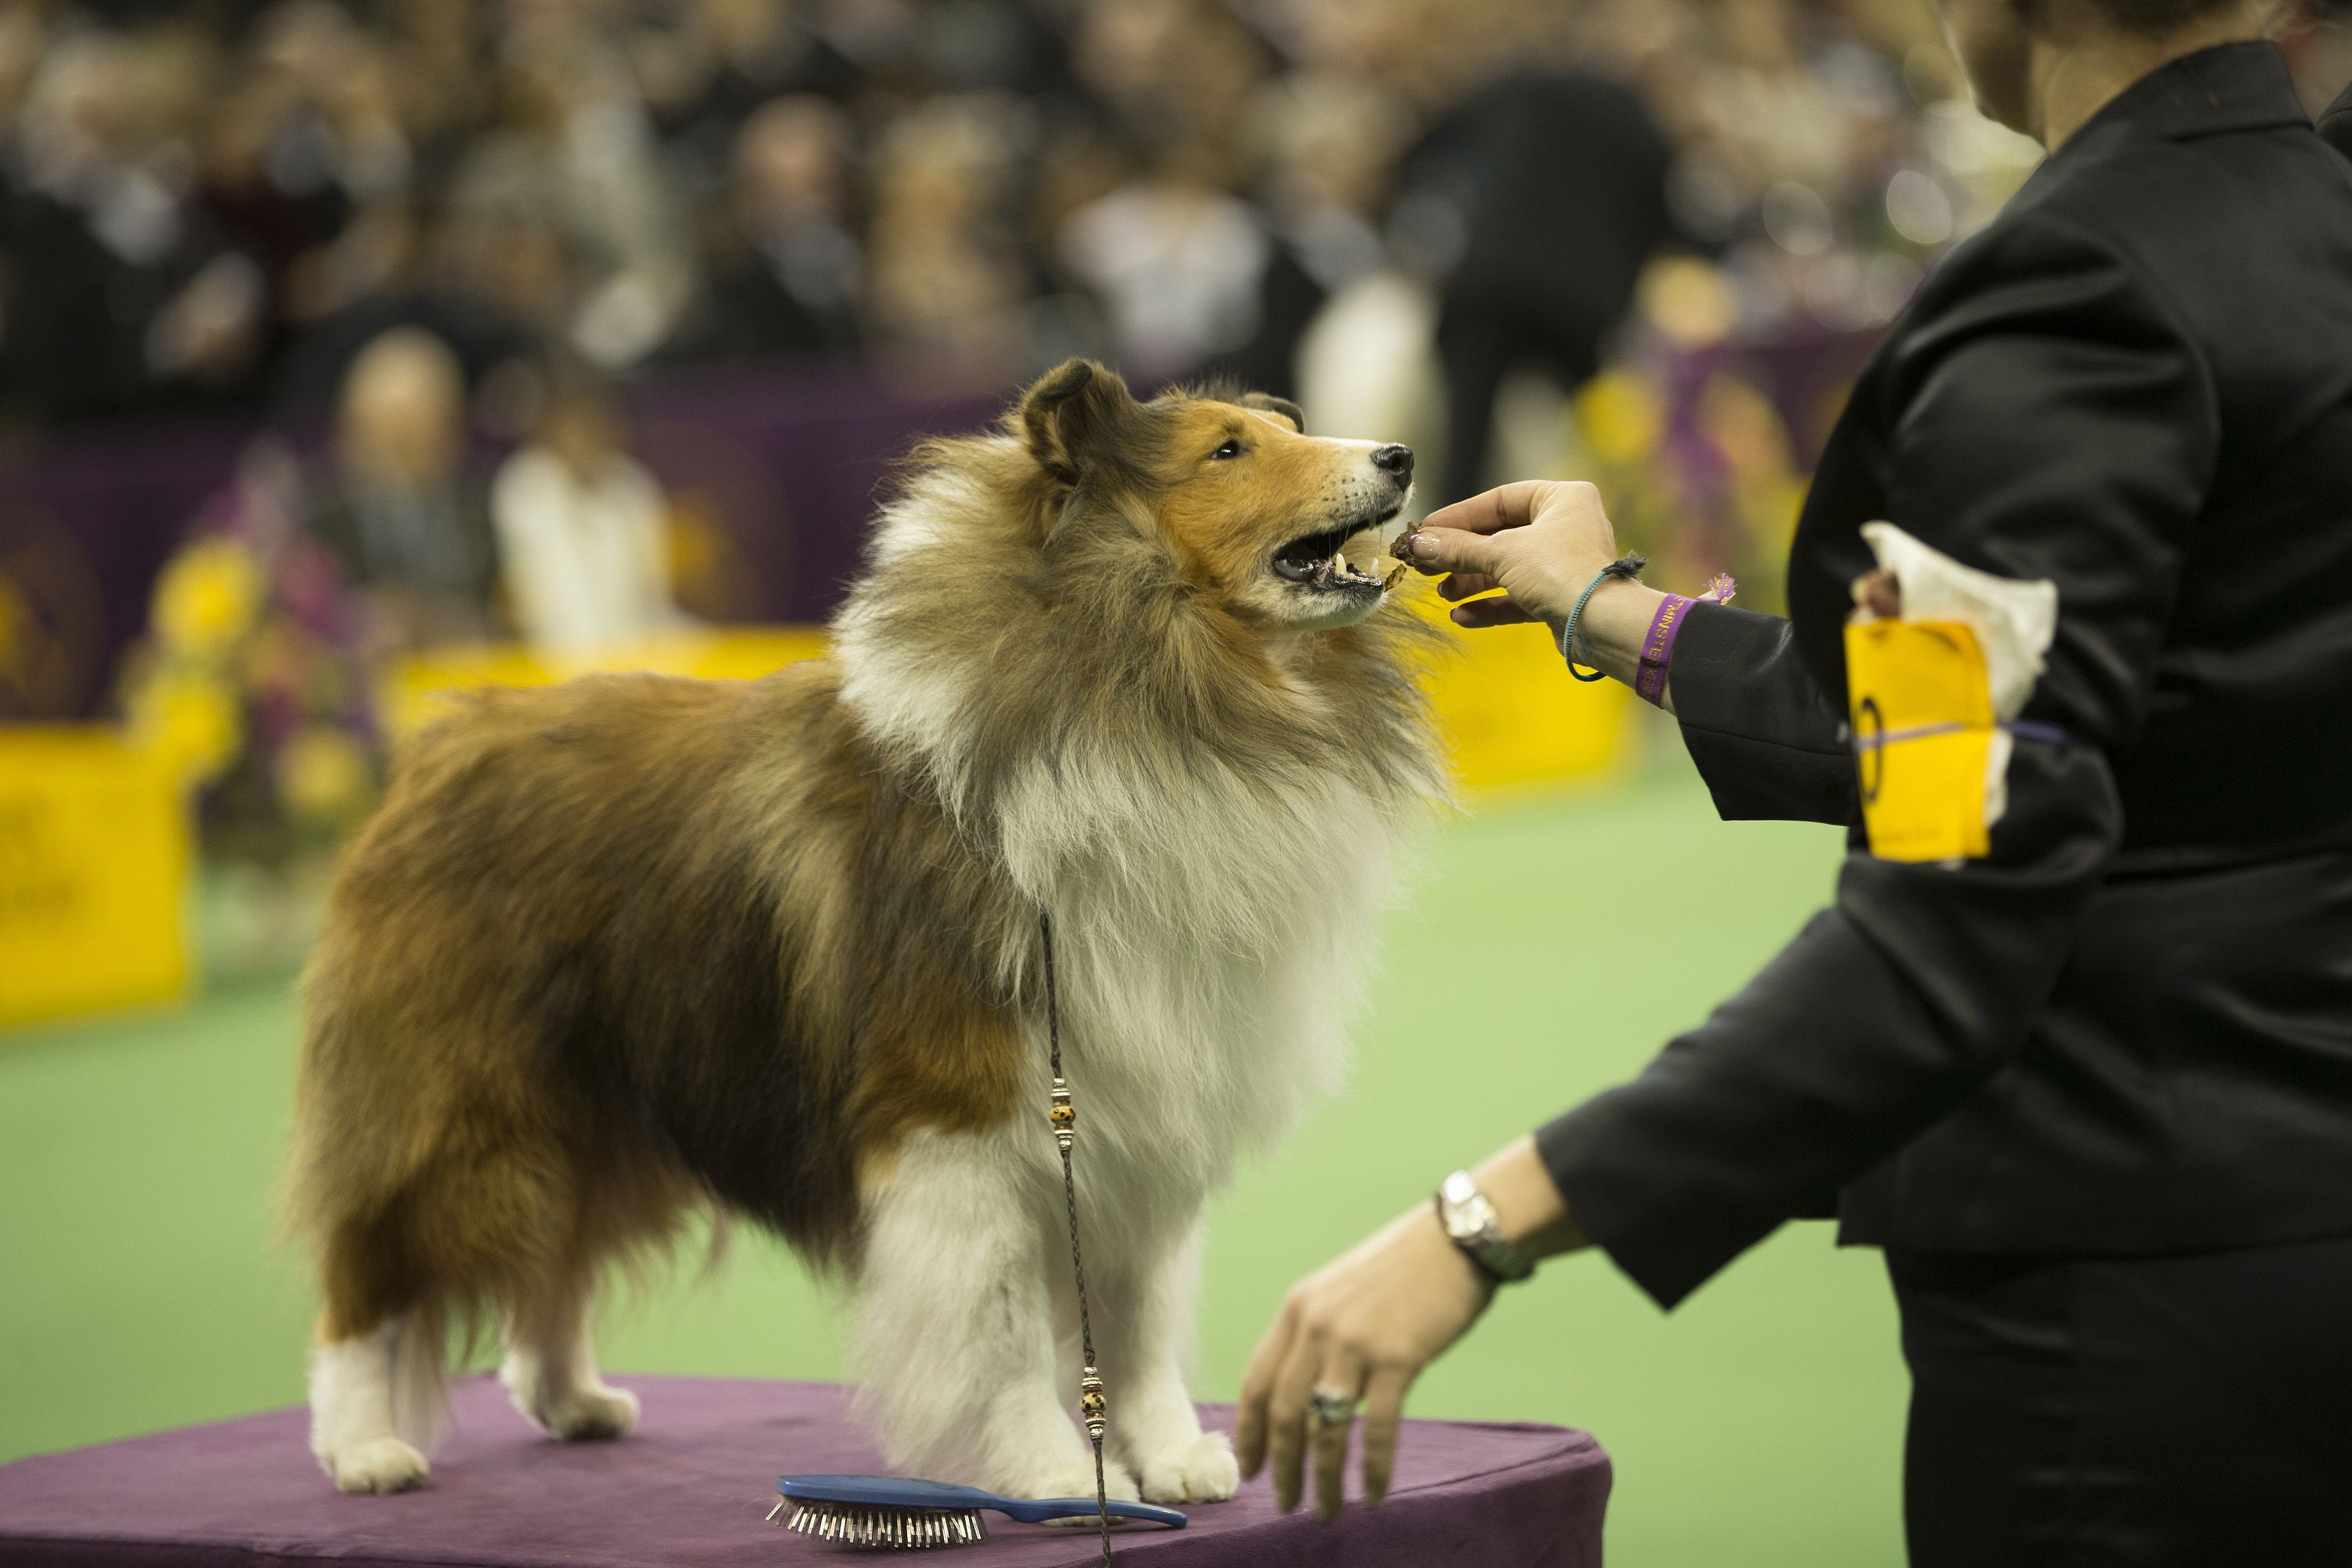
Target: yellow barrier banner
(1510, 715)
(94, 866)
(416, 686)
(1508, 711)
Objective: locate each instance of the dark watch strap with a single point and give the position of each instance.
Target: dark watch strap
(1467, 1218)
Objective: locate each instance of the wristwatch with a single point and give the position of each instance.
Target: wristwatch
(1469, 1216)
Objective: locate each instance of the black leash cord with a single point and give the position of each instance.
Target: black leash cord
(1064, 1119)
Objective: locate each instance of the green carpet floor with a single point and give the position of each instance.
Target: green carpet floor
(1547, 948)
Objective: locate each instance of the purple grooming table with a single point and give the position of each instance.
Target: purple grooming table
(694, 1485)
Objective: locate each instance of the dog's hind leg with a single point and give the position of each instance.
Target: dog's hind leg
(354, 1431)
(378, 1370)
(551, 1364)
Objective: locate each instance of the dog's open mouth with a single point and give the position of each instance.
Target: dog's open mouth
(1345, 559)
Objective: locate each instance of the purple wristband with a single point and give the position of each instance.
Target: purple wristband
(1658, 648)
(1658, 645)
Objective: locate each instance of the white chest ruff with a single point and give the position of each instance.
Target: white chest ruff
(1212, 923)
(1212, 937)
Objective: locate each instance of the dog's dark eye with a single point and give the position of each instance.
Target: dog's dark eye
(1232, 448)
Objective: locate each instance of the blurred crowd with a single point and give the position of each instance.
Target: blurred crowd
(212, 201)
(220, 201)
(1645, 240)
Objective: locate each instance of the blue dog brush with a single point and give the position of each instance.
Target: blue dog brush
(914, 1516)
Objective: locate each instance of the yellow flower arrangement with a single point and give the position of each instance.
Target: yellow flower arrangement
(206, 598)
(189, 719)
(324, 774)
(1619, 417)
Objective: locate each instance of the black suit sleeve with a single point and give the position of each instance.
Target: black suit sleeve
(2335, 124)
(2049, 419)
(1758, 728)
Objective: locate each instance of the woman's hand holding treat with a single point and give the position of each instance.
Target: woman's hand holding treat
(1540, 541)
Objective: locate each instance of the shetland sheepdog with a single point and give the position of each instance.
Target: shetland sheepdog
(631, 948)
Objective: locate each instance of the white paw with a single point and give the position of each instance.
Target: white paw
(378, 1465)
(1202, 1470)
(591, 1414)
(1075, 1479)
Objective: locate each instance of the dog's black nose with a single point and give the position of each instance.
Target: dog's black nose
(1395, 460)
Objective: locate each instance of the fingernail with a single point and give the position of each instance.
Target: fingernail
(1407, 546)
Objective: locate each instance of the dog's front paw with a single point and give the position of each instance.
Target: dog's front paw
(567, 1410)
(1076, 1480)
(592, 1415)
(378, 1465)
(1202, 1471)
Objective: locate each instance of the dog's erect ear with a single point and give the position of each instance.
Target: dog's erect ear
(1266, 402)
(1077, 417)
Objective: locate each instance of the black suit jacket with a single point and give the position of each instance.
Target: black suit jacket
(2129, 1028)
(2335, 124)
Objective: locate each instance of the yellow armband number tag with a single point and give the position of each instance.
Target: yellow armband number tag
(1923, 735)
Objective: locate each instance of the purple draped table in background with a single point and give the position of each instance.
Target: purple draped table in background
(785, 464)
(694, 1486)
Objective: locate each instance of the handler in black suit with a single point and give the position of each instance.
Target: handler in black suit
(2335, 124)
(2091, 1089)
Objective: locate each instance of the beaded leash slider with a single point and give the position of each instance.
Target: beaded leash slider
(1093, 1408)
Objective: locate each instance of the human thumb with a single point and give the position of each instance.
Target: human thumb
(1440, 551)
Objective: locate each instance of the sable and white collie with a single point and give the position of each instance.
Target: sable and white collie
(629, 948)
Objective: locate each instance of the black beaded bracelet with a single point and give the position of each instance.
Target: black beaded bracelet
(1628, 567)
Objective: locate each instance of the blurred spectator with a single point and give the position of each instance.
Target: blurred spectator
(573, 164)
(1174, 255)
(120, 293)
(784, 265)
(702, 80)
(399, 508)
(1177, 263)
(947, 287)
(580, 527)
(1545, 249)
(302, 151)
(1328, 146)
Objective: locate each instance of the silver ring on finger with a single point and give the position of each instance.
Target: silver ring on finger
(1331, 1406)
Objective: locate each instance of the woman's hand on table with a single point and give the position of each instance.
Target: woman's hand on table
(1366, 1324)
(1542, 541)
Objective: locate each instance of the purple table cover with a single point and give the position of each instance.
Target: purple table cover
(694, 1485)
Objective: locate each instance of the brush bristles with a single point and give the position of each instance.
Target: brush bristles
(889, 1529)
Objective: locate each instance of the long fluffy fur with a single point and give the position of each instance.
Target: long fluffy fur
(631, 946)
